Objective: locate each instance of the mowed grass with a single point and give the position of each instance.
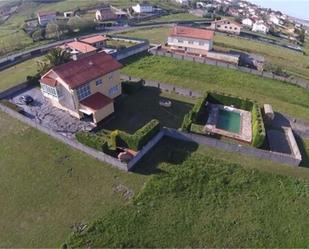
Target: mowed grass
(46, 187)
(175, 17)
(294, 62)
(17, 74)
(135, 110)
(196, 201)
(285, 98)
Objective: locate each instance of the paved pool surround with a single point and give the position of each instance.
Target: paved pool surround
(245, 133)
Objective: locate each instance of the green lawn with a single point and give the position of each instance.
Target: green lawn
(285, 98)
(135, 110)
(294, 62)
(196, 201)
(17, 74)
(46, 187)
(175, 17)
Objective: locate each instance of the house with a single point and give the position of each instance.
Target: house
(68, 14)
(226, 26)
(142, 8)
(247, 22)
(85, 88)
(97, 41)
(275, 20)
(44, 17)
(78, 49)
(105, 13)
(260, 27)
(190, 40)
(183, 2)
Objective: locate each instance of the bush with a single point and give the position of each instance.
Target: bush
(130, 87)
(258, 128)
(92, 140)
(194, 115)
(228, 100)
(141, 137)
(187, 122)
(10, 105)
(198, 129)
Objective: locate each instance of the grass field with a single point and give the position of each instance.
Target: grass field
(285, 98)
(197, 201)
(46, 187)
(18, 73)
(175, 17)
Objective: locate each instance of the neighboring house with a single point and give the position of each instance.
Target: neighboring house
(226, 26)
(105, 13)
(182, 2)
(97, 41)
(143, 7)
(85, 88)
(78, 49)
(44, 17)
(275, 20)
(68, 14)
(247, 22)
(190, 40)
(260, 27)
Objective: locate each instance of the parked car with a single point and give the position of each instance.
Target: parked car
(26, 100)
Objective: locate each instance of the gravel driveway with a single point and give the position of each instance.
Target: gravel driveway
(44, 113)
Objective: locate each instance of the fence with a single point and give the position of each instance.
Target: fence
(234, 148)
(299, 82)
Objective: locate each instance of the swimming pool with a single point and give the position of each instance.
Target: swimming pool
(229, 121)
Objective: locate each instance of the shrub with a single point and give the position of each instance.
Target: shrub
(198, 129)
(187, 122)
(92, 140)
(258, 128)
(10, 105)
(130, 87)
(141, 137)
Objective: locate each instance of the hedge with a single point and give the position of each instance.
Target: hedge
(130, 87)
(194, 115)
(258, 128)
(141, 137)
(228, 100)
(198, 129)
(92, 140)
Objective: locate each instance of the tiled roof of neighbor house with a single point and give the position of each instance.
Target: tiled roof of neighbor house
(77, 73)
(192, 33)
(94, 39)
(96, 101)
(47, 80)
(230, 21)
(80, 46)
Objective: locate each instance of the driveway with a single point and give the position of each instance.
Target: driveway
(44, 113)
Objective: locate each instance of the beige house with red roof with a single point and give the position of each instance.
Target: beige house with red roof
(85, 88)
(190, 40)
(97, 41)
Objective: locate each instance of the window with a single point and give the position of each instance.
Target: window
(190, 42)
(235, 28)
(98, 82)
(180, 41)
(201, 43)
(112, 91)
(49, 90)
(230, 27)
(225, 27)
(110, 76)
(219, 26)
(83, 92)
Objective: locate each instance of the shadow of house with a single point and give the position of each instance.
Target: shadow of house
(303, 151)
(168, 150)
(135, 110)
(253, 61)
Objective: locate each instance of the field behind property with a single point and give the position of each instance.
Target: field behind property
(285, 98)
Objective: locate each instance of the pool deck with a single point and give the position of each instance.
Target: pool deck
(245, 134)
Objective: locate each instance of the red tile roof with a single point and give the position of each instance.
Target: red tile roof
(194, 33)
(94, 39)
(79, 46)
(47, 80)
(77, 73)
(96, 101)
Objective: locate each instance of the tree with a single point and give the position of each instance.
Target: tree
(302, 36)
(52, 30)
(55, 57)
(78, 24)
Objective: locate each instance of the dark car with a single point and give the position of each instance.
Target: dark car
(26, 99)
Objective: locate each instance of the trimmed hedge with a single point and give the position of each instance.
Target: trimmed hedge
(92, 140)
(194, 115)
(258, 128)
(228, 100)
(198, 129)
(141, 137)
(130, 87)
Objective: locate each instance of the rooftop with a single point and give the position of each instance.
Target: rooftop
(96, 101)
(77, 73)
(94, 39)
(79, 46)
(192, 33)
